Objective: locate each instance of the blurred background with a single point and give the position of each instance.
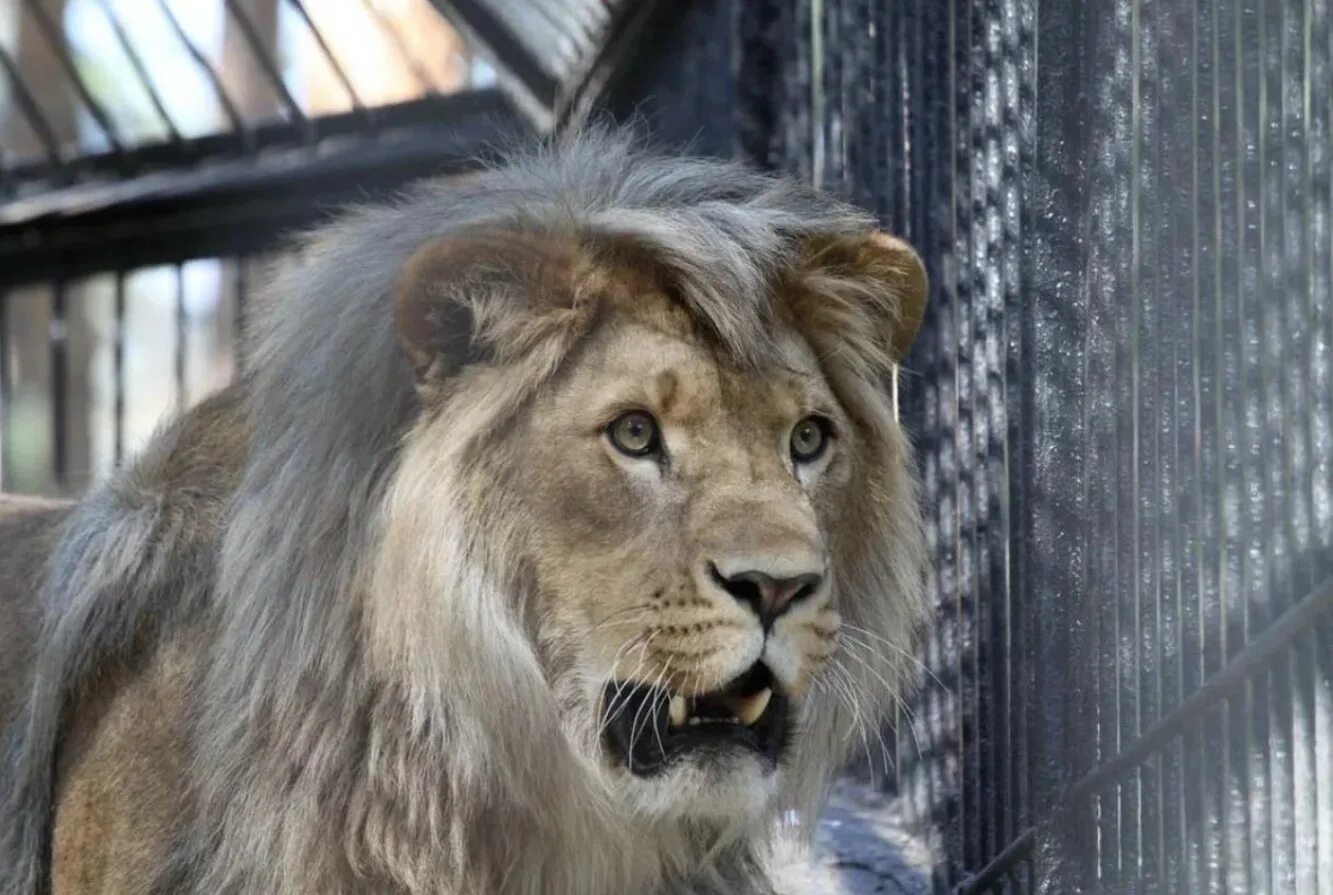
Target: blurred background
(1122, 396)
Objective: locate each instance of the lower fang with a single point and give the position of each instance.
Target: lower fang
(679, 712)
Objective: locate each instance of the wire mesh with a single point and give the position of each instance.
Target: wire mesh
(1121, 399)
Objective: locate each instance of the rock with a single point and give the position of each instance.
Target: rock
(864, 847)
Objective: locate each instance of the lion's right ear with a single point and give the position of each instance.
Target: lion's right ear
(480, 295)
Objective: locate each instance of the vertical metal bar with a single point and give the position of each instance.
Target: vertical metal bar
(986, 415)
(1201, 832)
(51, 32)
(1319, 167)
(242, 297)
(201, 60)
(58, 338)
(973, 646)
(1124, 138)
(1232, 542)
(1256, 509)
(1286, 438)
(6, 397)
(182, 397)
(1178, 281)
(118, 371)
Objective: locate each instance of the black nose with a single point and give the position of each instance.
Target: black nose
(768, 596)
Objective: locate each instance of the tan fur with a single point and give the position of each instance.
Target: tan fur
(410, 700)
(122, 774)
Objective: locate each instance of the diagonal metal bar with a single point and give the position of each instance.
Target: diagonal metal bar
(1296, 620)
(136, 61)
(265, 61)
(390, 27)
(31, 111)
(1278, 636)
(324, 48)
(52, 35)
(224, 99)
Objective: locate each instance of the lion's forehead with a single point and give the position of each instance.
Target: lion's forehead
(690, 386)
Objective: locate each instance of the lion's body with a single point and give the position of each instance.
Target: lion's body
(28, 530)
(340, 631)
(120, 779)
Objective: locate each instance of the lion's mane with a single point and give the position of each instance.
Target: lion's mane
(325, 761)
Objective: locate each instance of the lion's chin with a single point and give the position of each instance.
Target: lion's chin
(727, 790)
(707, 756)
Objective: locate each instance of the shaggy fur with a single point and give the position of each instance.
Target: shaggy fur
(336, 620)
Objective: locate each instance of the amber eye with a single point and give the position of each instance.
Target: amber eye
(809, 439)
(635, 433)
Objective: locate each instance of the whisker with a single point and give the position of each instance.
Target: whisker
(898, 648)
(892, 691)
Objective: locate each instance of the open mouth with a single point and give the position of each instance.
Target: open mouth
(649, 728)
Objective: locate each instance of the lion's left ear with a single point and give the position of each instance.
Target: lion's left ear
(881, 273)
(483, 294)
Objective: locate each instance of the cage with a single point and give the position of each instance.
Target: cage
(1122, 398)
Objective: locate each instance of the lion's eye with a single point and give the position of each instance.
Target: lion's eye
(635, 433)
(809, 439)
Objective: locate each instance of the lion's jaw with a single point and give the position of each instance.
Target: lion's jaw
(687, 695)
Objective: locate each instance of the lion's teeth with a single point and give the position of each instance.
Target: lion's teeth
(679, 711)
(751, 708)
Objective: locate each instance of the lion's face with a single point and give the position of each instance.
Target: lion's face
(682, 509)
(690, 502)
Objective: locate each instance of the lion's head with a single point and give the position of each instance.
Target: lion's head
(601, 568)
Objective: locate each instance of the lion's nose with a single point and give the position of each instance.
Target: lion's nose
(768, 595)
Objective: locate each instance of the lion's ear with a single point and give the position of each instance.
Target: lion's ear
(478, 295)
(884, 272)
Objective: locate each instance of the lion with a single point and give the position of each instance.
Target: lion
(559, 538)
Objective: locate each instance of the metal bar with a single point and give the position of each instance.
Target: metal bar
(228, 107)
(486, 30)
(118, 372)
(265, 61)
(6, 397)
(242, 300)
(328, 54)
(140, 69)
(390, 27)
(241, 205)
(1294, 622)
(58, 337)
(179, 359)
(32, 112)
(52, 34)
(1018, 852)
(1299, 619)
